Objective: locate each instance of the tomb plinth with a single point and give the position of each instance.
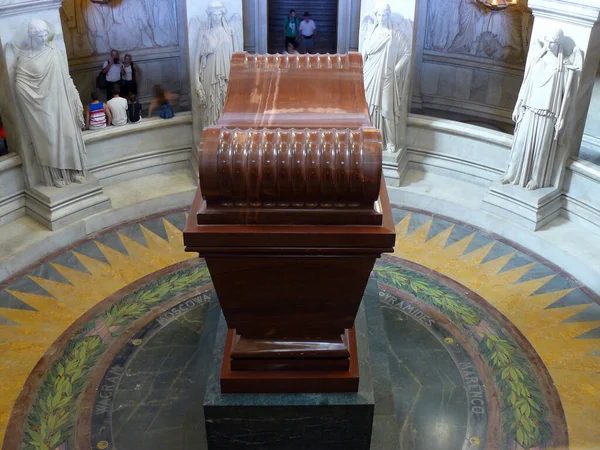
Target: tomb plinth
(290, 215)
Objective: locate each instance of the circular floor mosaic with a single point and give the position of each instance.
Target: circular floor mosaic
(450, 372)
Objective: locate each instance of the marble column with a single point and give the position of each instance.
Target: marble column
(255, 26)
(52, 206)
(580, 22)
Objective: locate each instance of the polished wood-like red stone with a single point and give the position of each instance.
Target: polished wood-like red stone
(288, 381)
(294, 215)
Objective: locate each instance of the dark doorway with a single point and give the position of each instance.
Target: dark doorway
(323, 12)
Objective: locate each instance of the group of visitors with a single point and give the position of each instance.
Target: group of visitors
(126, 74)
(294, 29)
(120, 79)
(118, 111)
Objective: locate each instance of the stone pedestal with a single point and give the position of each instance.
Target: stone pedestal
(56, 208)
(531, 209)
(394, 165)
(290, 421)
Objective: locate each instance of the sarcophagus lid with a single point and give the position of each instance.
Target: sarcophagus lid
(294, 145)
(291, 176)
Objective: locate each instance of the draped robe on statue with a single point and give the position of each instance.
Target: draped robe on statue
(53, 113)
(386, 56)
(216, 47)
(545, 88)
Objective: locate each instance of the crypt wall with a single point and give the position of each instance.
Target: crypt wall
(470, 59)
(152, 31)
(590, 146)
(470, 82)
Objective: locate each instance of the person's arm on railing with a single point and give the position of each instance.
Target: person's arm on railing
(108, 115)
(152, 106)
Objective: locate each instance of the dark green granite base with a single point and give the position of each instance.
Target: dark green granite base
(290, 421)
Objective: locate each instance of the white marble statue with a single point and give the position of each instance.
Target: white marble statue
(50, 107)
(541, 111)
(386, 49)
(443, 24)
(217, 40)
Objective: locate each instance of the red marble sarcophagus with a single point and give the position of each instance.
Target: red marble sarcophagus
(291, 214)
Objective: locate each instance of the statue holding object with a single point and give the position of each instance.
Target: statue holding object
(540, 112)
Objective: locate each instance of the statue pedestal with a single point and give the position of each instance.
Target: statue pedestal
(59, 207)
(276, 421)
(531, 209)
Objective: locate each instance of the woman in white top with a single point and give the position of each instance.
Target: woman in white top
(130, 77)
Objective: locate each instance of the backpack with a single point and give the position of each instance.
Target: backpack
(166, 111)
(101, 80)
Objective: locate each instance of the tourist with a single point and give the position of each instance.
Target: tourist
(96, 114)
(130, 77)
(4, 149)
(134, 109)
(308, 30)
(291, 49)
(112, 72)
(162, 101)
(291, 28)
(117, 107)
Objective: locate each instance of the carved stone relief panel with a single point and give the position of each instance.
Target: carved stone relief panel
(476, 28)
(149, 30)
(125, 25)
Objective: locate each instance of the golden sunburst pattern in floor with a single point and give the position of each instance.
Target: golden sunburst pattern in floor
(551, 310)
(43, 304)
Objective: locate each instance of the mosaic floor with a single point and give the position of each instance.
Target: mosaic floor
(484, 345)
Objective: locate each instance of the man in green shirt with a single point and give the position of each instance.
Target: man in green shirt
(290, 28)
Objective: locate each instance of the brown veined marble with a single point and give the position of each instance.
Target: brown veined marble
(292, 203)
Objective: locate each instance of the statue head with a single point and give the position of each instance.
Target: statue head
(382, 12)
(38, 32)
(554, 39)
(216, 11)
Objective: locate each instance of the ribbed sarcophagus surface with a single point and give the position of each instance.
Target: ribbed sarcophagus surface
(294, 145)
